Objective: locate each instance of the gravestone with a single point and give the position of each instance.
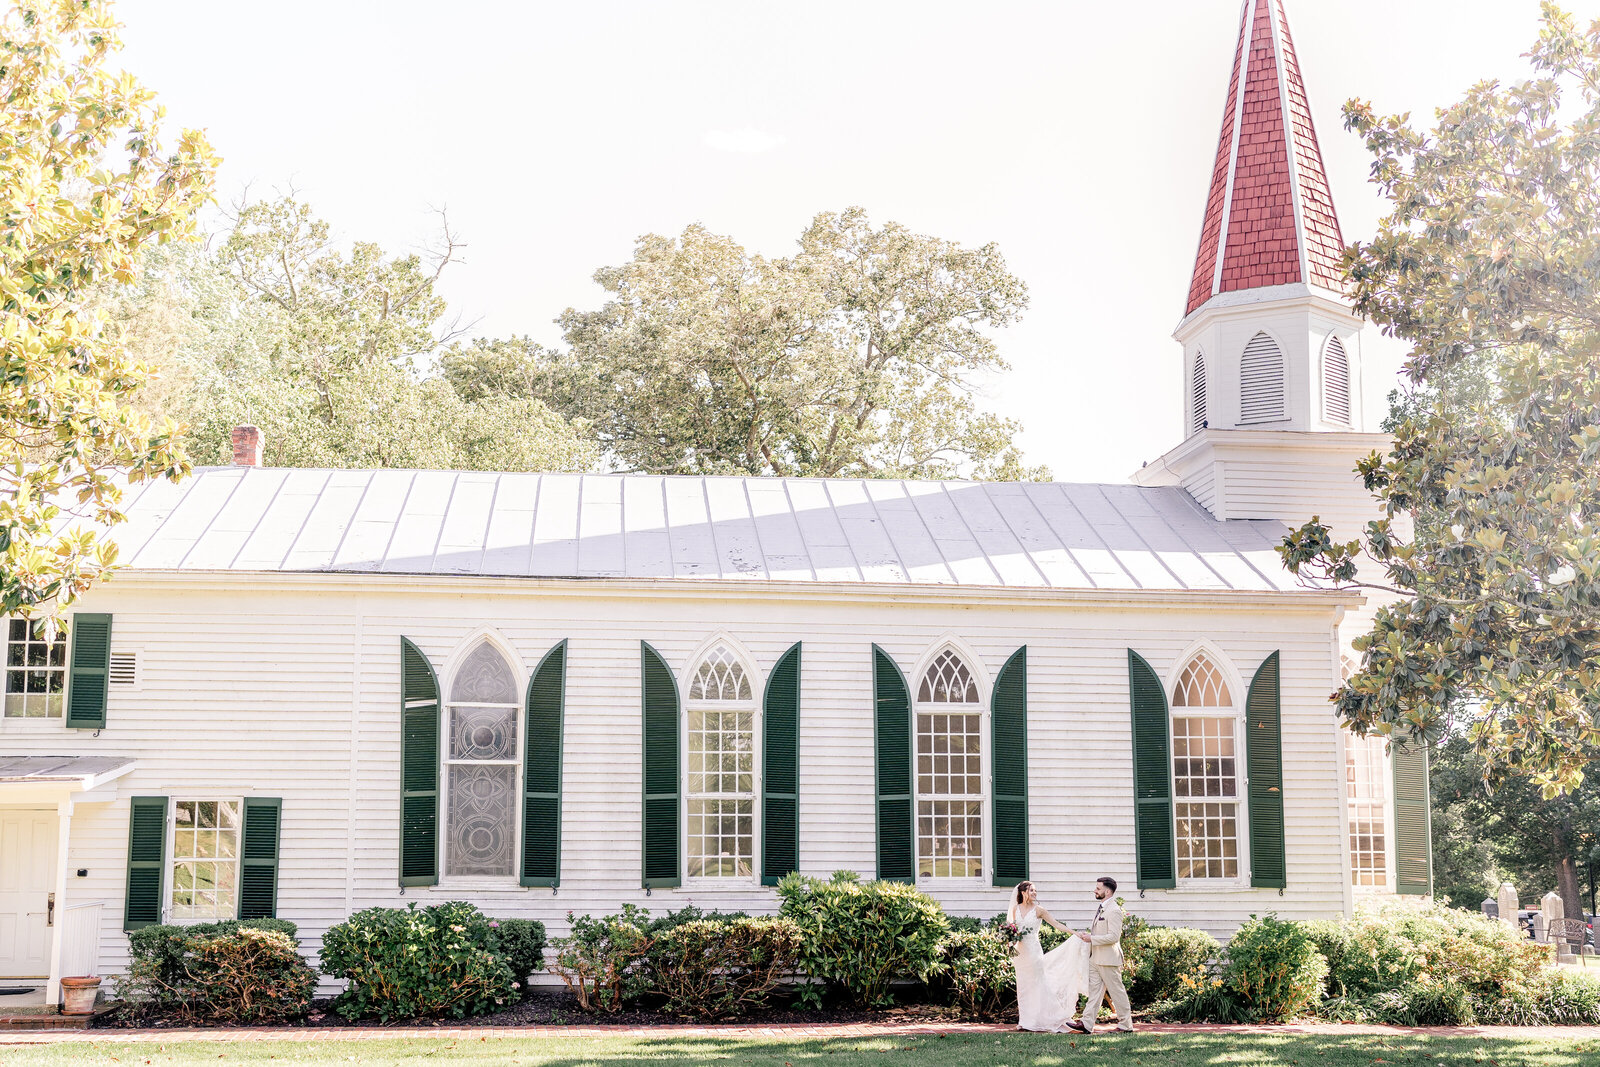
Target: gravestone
(1508, 905)
(1551, 908)
(1490, 907)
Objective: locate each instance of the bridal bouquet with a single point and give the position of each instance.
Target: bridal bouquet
(1011, 933)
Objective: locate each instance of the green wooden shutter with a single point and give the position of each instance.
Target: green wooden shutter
(1008, 720)
(780, 767)
(541, 771)
(90, 671)
(660, 771)
(147, 861)
(1152, 777)
(1264, 765)
(1413, 837)
(419, 768)
(892, 727)
(258, 858)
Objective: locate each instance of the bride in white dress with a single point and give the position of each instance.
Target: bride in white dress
(1048, 983)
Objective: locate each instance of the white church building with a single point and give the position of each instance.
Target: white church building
(309, 692)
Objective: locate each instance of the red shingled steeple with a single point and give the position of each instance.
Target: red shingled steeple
(1269, 216)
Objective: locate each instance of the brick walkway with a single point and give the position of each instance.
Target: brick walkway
(795, 1032)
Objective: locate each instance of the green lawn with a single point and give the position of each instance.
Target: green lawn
(962, 1050)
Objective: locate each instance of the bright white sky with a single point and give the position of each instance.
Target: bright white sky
(1078, 136)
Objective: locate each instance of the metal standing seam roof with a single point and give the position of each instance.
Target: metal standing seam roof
(1047, 535)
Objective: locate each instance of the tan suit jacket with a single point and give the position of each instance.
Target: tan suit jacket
(1105, 935)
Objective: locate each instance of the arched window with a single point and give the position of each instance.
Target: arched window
(1335, 381)
(721, 794)
(1261, 380)
(1197, 394)
(1205, 772)
(949, 721)
(481, 761)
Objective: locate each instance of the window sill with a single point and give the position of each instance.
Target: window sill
(466, 884)
(1216, 885)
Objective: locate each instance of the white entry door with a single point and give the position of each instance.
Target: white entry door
(27, 878)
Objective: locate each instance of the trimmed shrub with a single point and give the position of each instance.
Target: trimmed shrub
(1273, 969)
(718, 968)
(520, 942)
(231, 971)
(249, 976)
(599, 961)
(405, 963)
(1156, 958)
(977, 967)
(860, 937)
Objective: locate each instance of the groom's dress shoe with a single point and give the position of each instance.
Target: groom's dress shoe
(1079, 1027)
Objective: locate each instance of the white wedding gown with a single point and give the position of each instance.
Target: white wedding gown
(1048, 983)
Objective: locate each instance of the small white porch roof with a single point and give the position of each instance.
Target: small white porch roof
(69, 774)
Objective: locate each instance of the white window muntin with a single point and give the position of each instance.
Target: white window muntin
(949, 720)
(722, 766)
(35, 677)
(204, 835)
(1367, 806)
(480, 748)
(1210, 706)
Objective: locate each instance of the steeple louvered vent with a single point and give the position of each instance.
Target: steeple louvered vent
(1197, 420)
(1261, 381)
(1335, 381)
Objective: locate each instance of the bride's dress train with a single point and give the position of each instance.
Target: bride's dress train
(1048, 983)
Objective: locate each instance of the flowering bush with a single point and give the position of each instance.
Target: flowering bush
(860, 937)
(599, 960)
(1274, 969)
(403, 963)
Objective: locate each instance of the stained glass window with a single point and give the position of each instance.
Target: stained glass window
(481, 766)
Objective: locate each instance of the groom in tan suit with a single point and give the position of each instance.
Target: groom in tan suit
(1105, 962)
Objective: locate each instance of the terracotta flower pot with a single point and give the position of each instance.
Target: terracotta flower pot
(78, 995)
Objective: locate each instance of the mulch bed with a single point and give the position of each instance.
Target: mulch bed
(559, 1008)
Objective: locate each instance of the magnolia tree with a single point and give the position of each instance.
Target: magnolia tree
(85, 183)
(1490, 258)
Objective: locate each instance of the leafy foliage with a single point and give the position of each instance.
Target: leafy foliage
(860, 937)
(520, 942)
(233, 971)
(977, 967)
(325, 349)
(1486, 261)
(1506, 827)
(599, 960)
(405, 963)
(718, 968)
(85, 185)
(1273, 969)
(1157, 958)
(859, 355)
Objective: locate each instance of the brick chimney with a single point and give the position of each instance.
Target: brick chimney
(246, 446)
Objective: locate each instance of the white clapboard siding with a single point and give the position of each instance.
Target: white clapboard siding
(292, 690)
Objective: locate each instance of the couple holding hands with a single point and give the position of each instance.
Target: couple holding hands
(1089, 962)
